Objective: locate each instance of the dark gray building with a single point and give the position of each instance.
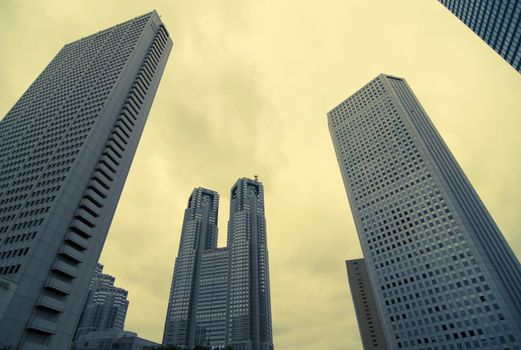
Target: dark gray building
(369, 323)
(249, 305)
(112, 339)
(197, 303)
(221, 296)
(442, 274)
(105, 307)
(65, 151)
(498, 23)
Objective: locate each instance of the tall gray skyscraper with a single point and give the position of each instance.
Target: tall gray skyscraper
(105, 307)
(442, 273)
(498, 23)
(221, 296)
(200, 278)
(65, 150)
(367, 315)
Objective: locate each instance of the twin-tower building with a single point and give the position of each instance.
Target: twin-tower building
(221, 296)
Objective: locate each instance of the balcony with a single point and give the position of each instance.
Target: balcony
(76, 239)
(65, 268)
(71, 253)
(41, 325)
(82, 227)
(51, 303)
(58, 285)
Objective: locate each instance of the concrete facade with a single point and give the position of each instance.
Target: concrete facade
(65, 151)
(105, 307)
(442, 273)
(369, 322)
(221, 296)
(113, 339)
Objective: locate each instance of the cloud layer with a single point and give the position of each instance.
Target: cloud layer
(245, 92)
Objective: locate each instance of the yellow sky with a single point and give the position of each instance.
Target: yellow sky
(246, 91)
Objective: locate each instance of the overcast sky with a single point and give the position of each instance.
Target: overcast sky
(246, 91)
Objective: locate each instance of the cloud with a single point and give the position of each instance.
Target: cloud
(246, 91)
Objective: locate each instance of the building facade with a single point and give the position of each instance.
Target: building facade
(191, 295)
(367, 315)
(65, 151)
(105, 307)
(221, 296)
(498, 23)
(442, 274)
(113, 339)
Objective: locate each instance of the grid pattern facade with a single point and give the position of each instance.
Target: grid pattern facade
(249, 310)
(199, 234)
(498, 23)
(105, 307)
(212, 298)
(369, 323)
(221, 296)
(65, 150)
(442, 274)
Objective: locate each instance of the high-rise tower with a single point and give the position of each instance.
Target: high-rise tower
(105, 307)
(367, 315)
(200, 276)
(249, 306)
(442, 273)
(498, 23)
(65, 151)
(221, 296)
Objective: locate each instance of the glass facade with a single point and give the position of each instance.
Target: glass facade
(498, 23)
(442, 274)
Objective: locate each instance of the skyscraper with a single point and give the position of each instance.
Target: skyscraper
(249, 305)
(442, 273)
(221, 296)
(498, 23)
(197, 303)
(367, 315)
(65, 151)
(105, 307)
